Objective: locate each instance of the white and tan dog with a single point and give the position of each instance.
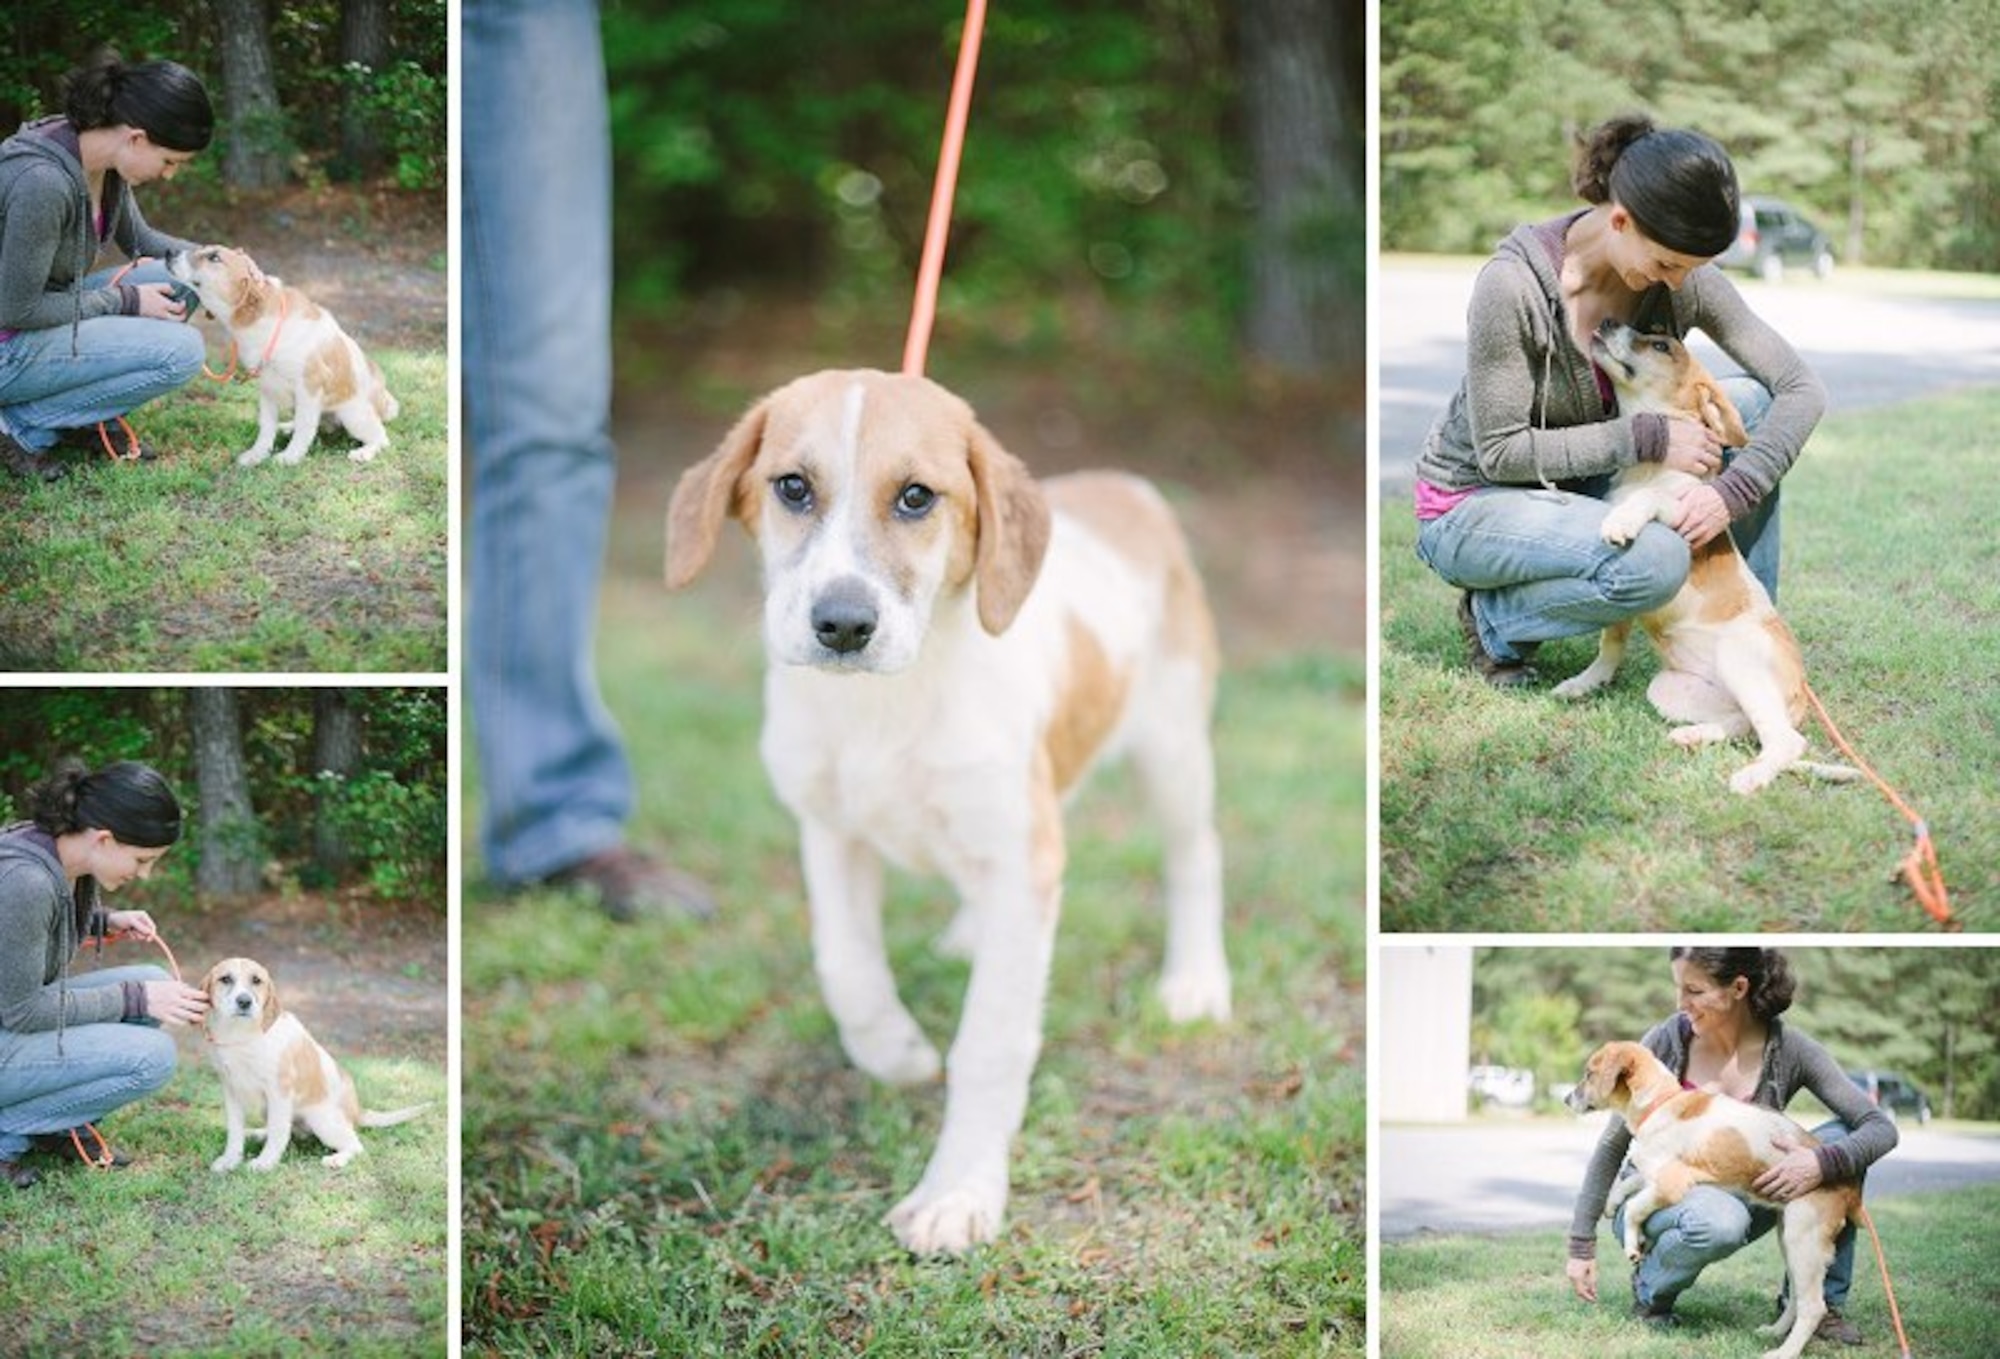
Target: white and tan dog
(1682, 1138)
(303, 359)
(267, 1060)
(1729, 667)
(951, 646)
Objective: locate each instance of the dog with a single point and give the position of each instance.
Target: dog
(1729, 665)
(267, 1059)
(1682, 1138)
(307, 362)
(951, 645)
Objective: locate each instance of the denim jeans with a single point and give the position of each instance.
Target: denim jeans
(536, 235)
(1538, 570)
(1711, 1224)
(50, 1086)
(59, 378)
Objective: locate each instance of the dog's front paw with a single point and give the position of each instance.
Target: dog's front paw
(1193, 993)
(339, 1158)
(894, 1051)
(264, 1165)
(1580, 685)
(290, 458)
(225, 1163)
(949, 1221)
(250, 457)
(1622, 525)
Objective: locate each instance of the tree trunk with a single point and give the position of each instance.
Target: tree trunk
(364, 41)
(255, 154)
(231, 857)
(336, 753)
(1309, 242)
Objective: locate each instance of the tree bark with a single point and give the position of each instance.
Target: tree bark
(231, 851)
(336, 752)
(1311, 224)
(255, 153)
(364, 41)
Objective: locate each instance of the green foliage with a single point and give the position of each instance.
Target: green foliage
(397, 829)
(1880, 121)
(408, 105)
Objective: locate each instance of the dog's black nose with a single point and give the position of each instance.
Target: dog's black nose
(243, 1002)
(843, 618)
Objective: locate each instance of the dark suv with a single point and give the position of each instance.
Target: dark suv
(1894, 1094)
(1775, 234)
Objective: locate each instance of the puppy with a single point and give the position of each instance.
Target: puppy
(951, 647)
(1729, 667)
(267, 1059)
(305, 360)
(1682, 1138)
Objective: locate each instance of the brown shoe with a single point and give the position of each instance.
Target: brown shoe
(1498, 673)
(91, 439)
(29, 466)
(84, 1143)
(627, 883)
(1837, 1329)
(18, 1175)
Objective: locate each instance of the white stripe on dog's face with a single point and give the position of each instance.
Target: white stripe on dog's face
(867, 512)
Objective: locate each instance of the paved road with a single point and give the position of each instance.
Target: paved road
(1499, 1177)
(1870, 350)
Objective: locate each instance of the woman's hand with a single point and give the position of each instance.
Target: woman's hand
(1583, 1278)
(157, 301)
(136, 923)
(1702, 515)
(173, 1002)
(1692, 449)
(1798, 1173)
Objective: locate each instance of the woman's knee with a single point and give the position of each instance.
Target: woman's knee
(1714, 1223)
(152, 1060)
(185, 355)
(1645, 575)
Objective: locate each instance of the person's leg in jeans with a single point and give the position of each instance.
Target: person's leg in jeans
(50, 1082)
(537, 363)
(1538, 570)
(72, 378)
(1707, 1225)
(1756, 533)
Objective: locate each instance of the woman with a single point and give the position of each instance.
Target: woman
(1510, 478)
(1727, 1036)
(74, 1049)
(77, 348)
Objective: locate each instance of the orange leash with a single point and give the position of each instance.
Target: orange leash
(1920, 865)
(114, 936)
(1895, 1314)
(104, 1160)
(931, 269)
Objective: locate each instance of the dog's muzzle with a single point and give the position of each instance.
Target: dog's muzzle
(1577, 1100)
(244, 1002)
(844, 616)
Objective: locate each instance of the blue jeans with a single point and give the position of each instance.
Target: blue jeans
(60, 378)
(1711, 1224)
(536, 233)
(99, 1068)
(1537, 569)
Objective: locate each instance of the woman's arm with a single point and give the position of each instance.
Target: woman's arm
(1871, 1134)
(39, 224)
(1509, 331)
(27, 919)
(1798, 399)
(136, 238)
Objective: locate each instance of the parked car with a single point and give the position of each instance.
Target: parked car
(1773, 235)
(1508, 1085)
(1894, 1094)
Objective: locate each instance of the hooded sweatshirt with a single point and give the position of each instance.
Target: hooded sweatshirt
(1533, 408)
(41, 926)
(48, 240)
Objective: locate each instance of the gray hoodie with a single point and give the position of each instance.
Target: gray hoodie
(48, 240)
(40, 929)
(1530, 409)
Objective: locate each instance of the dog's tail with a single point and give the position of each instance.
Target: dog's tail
(374, 1118)
(1831, 773)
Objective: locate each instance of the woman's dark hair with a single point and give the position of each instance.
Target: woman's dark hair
(1679, 186)
(1769, 975)
(128, 799)
(163, 99)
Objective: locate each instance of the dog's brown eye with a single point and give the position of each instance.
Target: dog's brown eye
(794, 490)
(915, 501)
(1660, 347)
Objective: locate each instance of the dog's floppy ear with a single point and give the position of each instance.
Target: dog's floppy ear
(706, 495)
(272, 1009)
(1013, 530)
(1719, 413)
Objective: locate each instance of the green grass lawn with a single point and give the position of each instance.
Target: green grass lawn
(666, 1152)
(1519, 812)
(195, 564)
(167, 1258)
(1503, 1297)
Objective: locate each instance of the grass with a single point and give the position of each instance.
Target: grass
(1500, 1297)
(165, 1258)
(666, 1153)
(1511, 812)
(193, 564)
